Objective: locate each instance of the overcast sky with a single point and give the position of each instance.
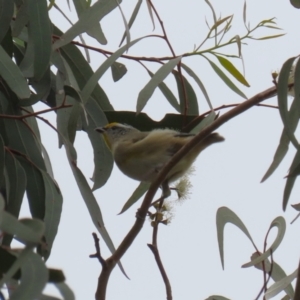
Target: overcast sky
(227, 174)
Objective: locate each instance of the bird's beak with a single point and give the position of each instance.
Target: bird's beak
(100, 129)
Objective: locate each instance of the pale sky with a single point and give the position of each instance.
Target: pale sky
(227, 174)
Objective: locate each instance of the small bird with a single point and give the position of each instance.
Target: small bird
(142, 155)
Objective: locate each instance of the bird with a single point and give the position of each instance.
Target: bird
(141, 155)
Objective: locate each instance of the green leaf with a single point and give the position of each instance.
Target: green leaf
(291, 178)
(95, 30)
(21, 19)
(278, 222)
(280, 285)
(191, 107)
(127, 32)
(27, 63)
(167, 93)
(53, 209)
(136, 195)
(204, 123)
(6, 14)
(89, 199)
(90, 16)
(219, 22)
(147, 91)
(65, 291)
(2, 159)
(224, 216)
(40, 32)
(118, 70)
(82, 71)
(16, 264)
(35, 188)
(284, 142)
(282, 92)
(22, 139)
(103, 160)
(199, 82)
(277, 274)
(132, 19)
(12, 75)
(226, 80)
(34, 278)
(232, 70)
(27, 231)
(15, 188)
(269, 37)
(93, 80)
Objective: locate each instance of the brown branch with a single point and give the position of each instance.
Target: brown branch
(165, 37)
(196, 120)
(264, 287)
(154, 248)
(143, 210)
(21, 117)
(98, 252)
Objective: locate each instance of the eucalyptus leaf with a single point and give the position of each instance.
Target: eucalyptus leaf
(90, 16)
(278, 222)
(226, 80)
(12, 75)
(224, 216)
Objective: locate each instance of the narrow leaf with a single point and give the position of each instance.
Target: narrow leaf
(33, 280)
(167, 93)
(53, 209)
(232, 70)
(6, 14)
(278, 222)
(188, 104)
(89, 199)
(284, 142)
(93, 81)
(127, 32)
(224, 216)
(159, 76)
(282, 92)
(199, 82)
(90, 16)
(219, 22)
(136, 195)
(204, 123)
(291, 179)
(40, 32)
(12, 75)
(269, 37)
(132, 19)
(226, 80)
(281, 285)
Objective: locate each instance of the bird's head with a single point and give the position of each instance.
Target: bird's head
(114, 132)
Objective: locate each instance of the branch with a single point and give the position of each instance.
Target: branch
(21, 117)
(153, 247)
(143, 210)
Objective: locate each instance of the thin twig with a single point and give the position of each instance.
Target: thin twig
(165, 36)
(154, 248)
(98, 252)
(264, 287)
(21, 117)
